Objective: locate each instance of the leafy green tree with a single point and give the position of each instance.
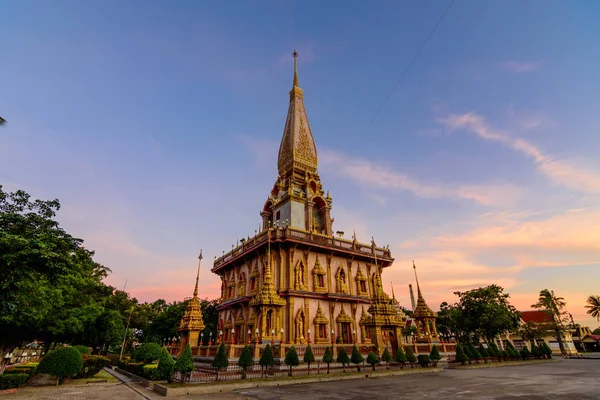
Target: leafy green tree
(309, 357)
(267, 359)
(474, 353)
(468, 352)
(423, 360)
(461, 357)
(596, 331)
(328, 357)
(166, 365)
(386, 357)
(401, 357)
(82, 349)
(148, 352)
(343, 358)
(221, 360)
(372, 359)
(61, 363)
(356, 357)
(554, 305)
(245, 361)
(50, 286)
(447, 322)
(185, 362)
(483, 351)
(434, 355)
(410, 356)
(525, 354)
(291, 359)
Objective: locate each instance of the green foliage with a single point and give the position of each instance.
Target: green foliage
(185, 362)
(460, 354)
(61, 363)
(373, 359)
(535, 351)
(245, 360)
(386, 356)
(596, 331)
(475, 355)
(166, 364)
(151, 372)
(546, 350)
(308, 355)
(291, 357)
(525, 354)
(92, 365)
(356, 357)
(82, 349)
(554, 305)
(434, 355)
(342, 357)
(410, 356)
(136, 368)
(483, 351)
(148, 352)
(504, 354)
(9, 381)
(468, 352)
(328, 356)
(400, 356)
(220, 361)
(423, 360)
(267, 359)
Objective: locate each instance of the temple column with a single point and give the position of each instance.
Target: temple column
(328, 228)
(308, 212)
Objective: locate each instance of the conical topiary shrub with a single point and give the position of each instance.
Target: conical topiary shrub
(185, 362)
(267, 359)
(434, 356)
(461, 357)
(166, 364)
(468, 353)
(535, 351)
(483, 351)
(343, 358)
(308, 357)
(401, 357)
(356, 358)
(220, 361)
(328, 357)
(372, 359)
(386, 357)
(291, 359)
(474, 353)
(245, 361)
(410, 357)
(546, 349)
(525, 354)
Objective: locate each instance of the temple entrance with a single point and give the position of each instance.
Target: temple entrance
(393, 343)
(346, 332)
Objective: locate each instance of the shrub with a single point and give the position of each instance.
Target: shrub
(356, 357)
(474, 353)
(504, 355)
(525, 354)
(461, 357)
(148, 352)
(343, 358)
(61, 363)
(328, 357)
(166, 365)
(401, 357)
(267, 359)
(386, 357)
(468, 353)
(245, 361)
(185, 361)
(291, 359)
(410, 356)
(435, 354)
(373, 359)
(82, 349)
(423, 360)
(309, 357)
(483, 351)
(9, 381)
(92, 365)
(151, 372)
(22, 369)
(490, 350)
(535, 351)
(546, 350)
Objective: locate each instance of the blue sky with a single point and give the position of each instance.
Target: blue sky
(157, 126)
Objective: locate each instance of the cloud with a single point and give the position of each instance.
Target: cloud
(519, 66)
(376, 176)
(560, 171)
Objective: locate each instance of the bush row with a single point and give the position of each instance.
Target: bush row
(9, 381)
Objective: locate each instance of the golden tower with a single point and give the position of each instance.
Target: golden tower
(424, 317)
(191, 323)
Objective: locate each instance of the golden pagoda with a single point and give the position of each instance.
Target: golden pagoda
(191, 323)
(294, 281)
(424, 317)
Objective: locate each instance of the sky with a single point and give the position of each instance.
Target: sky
(157, 124)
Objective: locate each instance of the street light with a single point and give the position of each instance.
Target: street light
(281, 331)
(232, 335)
(249, 336)
(354, 335)
(332, 336)
(308, 331)
(256, 336)
(272, 336)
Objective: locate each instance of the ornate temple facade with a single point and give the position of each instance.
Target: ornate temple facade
(294, 281)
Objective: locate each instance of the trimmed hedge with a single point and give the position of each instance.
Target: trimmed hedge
(423, 360)
(151, 372)
(82, 349)
(61, 363)
(10, 381)
(148, 352)
(92, 365)
(166, 364)
(136, 368)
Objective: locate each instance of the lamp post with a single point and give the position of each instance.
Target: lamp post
(308, 331)
(281, 331)
(210, 338)
(202, 339)
(354, 335)
(220, 336)
(232, 335)
(332, 336)
(272, 337)
(256, 336)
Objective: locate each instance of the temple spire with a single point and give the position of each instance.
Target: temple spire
(198, 274)
(295, 55)
(422, 308)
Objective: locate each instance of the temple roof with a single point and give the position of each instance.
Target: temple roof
(297, 149)
(422, 309)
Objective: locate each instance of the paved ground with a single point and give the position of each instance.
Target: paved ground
(567, 379)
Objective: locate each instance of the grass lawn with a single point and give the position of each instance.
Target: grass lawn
(100, 376)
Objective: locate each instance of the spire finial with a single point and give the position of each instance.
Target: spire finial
(198, 274)
(295, 55)
(417, 279)
(393, 294)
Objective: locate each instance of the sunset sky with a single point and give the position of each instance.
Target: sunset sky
(157, 124)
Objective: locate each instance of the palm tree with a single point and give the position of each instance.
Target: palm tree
(2, 121)
(593, 303)
(553, 305)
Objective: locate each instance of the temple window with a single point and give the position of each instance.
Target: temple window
(252, 283)
(363, 286)
(322, 331)
(321, 280)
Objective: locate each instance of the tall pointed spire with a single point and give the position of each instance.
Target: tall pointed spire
(295, 55)
(393, 294)
(198, 274)
(267, 293)
(417, 279)
(422, 309)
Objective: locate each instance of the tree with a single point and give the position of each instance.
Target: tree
(401, 357)
(596, 331)
(423, 360)
(546, 349)
(245, 361)
(474, 353)
(309, 356)
(50, 286)
(185, 362)
(220, 361)
(148, 352)
(61, 363)
(554, 306)
(291, 359)
(535, 351)
(446, 322)
(461, 357)
(410, 356)
(387, 357)
(525, 354)
(166, 364)
(328, 357)
(593, 303)
(372, 359)
(356, 358)
(434, 355)
(267, 359)
(2, 121)
(343, 358)
(532, 331)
